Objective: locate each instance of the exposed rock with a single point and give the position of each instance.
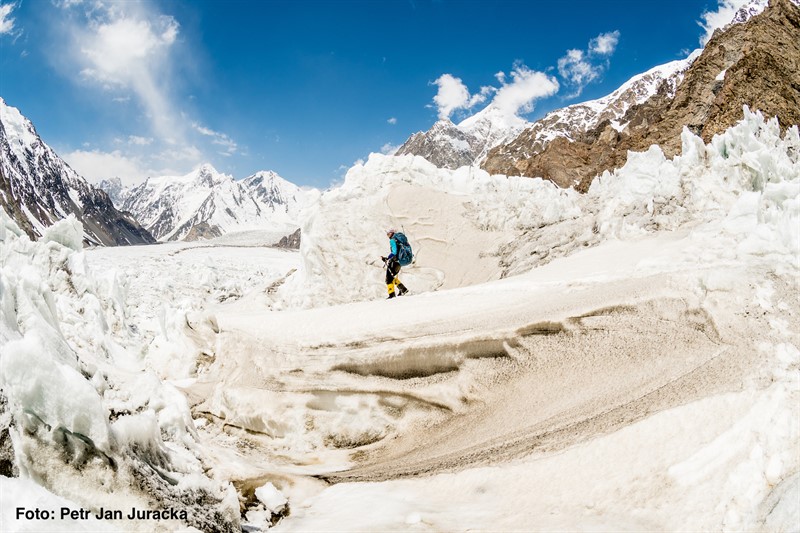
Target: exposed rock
(579, 121)
(290, 241)
(202, 231)
(447, 145)
(37, 189)
(114, 189)
(444, 145)
(756, 63)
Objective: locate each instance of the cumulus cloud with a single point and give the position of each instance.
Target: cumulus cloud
(712, 20)
(605, 43)
(526, 86)
(392, 121)
(95, 165)
(6, 22)
(452, 95)
(578, 68)
(516, 94)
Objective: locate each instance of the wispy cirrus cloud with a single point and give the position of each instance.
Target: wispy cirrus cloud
(6, 21)
(228, 145)
(126, 50)
(130, 52)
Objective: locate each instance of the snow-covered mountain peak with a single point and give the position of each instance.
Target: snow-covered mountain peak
(208, 176)
(208, 203)
(38, 188)
(490, 121)
(19, 131)
(448, 145)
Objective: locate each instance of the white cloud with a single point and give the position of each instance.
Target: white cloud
(126, 49)
(392, 121)
(512, 97)
(452, 95)
(578, 68)
(605, 43)
(6, 22)
(132, 169)
(95, 165)
(575, 68)
(389, 148)
(526, 86)
(132, 53)
(219, 139)
(712, 20)
(140, 141)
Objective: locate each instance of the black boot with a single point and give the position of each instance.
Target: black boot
(391, 295)
(401, 289)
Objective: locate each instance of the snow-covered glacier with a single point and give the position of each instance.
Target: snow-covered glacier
(621, 359)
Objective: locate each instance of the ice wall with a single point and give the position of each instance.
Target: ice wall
(484, 227)
(80, 414)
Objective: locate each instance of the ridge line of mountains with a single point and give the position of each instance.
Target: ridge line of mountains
(754, 62)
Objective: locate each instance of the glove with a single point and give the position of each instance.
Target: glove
(383, 259)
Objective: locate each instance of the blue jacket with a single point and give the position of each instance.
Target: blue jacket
(393, 245)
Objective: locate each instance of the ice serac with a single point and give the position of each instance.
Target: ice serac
(37, 189)
(81, 412)
(206, 203)
(754, 61)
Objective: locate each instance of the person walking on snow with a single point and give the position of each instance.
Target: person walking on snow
(393, 268)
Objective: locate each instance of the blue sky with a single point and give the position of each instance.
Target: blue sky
(307, 88)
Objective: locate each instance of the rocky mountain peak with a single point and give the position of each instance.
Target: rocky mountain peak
(755, 63)
(37, 188)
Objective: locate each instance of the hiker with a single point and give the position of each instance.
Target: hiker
(393, 263)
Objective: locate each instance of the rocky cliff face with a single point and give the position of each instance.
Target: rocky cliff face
(571, 123)
(448, 145)
(755, 63)
(37, 189)
(444, 145)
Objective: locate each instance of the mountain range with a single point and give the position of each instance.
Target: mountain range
(37, 189)
(206, 203)
(754, 61)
